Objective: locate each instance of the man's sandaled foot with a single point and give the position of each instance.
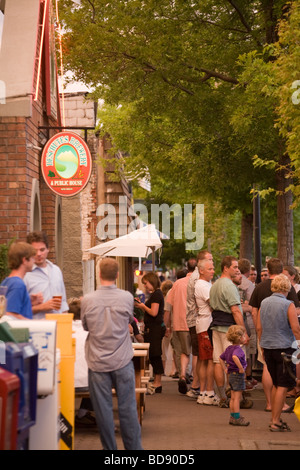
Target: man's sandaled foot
(282, 427)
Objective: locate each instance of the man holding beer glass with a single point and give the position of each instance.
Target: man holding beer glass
(45, 279)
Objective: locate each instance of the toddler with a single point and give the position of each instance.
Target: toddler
(234, 363)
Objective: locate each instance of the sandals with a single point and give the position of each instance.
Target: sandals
(282, 427)
(182, 386)
(151, 389)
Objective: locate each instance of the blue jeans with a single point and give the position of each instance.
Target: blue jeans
(100, 385)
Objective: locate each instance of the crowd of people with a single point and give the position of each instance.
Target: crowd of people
(216, 328)
(221, 327)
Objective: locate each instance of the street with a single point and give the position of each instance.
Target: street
(175, 422)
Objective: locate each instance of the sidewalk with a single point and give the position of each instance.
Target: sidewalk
(175, 422)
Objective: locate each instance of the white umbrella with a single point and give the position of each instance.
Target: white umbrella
(138, 244)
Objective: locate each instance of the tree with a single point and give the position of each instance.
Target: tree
(287, 72)
(268, 102)
(4, 269)
(170, 77)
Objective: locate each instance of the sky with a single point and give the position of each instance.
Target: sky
(73, 86)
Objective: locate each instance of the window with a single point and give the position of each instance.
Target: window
(35, 212)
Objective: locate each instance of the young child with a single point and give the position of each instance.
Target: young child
(234, 363)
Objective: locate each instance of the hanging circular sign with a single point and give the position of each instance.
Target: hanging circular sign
(66, 164)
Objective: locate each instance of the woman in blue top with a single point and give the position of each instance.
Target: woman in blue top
(278, 329)
(20, 261)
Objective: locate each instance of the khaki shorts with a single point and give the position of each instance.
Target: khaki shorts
(184, 338)
(220, 343)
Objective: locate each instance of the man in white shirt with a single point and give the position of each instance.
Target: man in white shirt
(191, 312)
(203, 321)
(45, 279)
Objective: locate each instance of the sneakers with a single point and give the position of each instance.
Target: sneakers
(213, 400)
(193, 392)
(241, 421)
(208, 400)
(200, 399)
(251, 384)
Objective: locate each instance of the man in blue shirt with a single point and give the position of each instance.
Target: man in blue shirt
(20, 261)
(45, 279)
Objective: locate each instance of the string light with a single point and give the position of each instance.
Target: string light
(61, 61)
(41, 51)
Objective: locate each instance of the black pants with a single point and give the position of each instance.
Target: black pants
(154, 334)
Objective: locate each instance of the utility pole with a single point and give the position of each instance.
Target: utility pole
(257, 234)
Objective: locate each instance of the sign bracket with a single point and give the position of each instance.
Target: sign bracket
(62, 128)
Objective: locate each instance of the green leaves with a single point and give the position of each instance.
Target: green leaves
(193, 90)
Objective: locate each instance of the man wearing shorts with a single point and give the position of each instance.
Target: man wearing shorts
(203, 321)
(191, 316)
(227, 310)
(177, 298)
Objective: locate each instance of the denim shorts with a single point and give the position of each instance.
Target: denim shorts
(237, 381)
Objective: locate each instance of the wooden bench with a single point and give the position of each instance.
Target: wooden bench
(142, 377)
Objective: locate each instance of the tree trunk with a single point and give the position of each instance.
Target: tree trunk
(246, 242)
(285, 224)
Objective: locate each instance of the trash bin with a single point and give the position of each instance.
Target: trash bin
(45, 434)
(9, 409)
(30, 371)
(22, 360)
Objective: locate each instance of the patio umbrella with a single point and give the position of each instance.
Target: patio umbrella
(139, 243)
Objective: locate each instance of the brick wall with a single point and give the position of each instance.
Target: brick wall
(16, 173)
(20, 164)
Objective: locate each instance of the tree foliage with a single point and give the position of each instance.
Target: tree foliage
(287, 71)
(190, 91)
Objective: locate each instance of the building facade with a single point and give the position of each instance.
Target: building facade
(30, 114)
(29, 100)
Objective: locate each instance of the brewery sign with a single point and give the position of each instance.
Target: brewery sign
(66, 164)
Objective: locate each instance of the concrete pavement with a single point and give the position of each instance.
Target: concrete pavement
(175, 422)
